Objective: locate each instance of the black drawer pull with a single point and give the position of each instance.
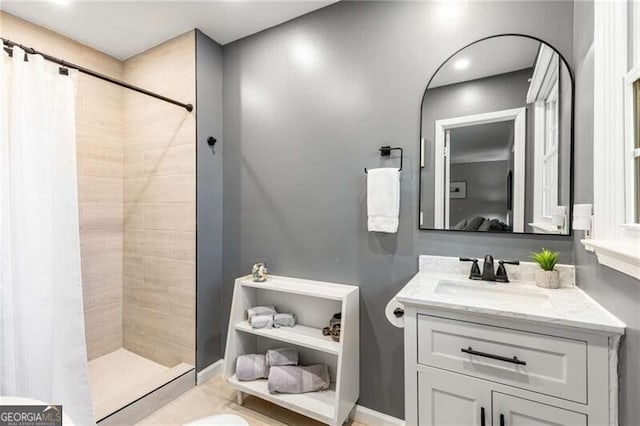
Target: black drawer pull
(513, 360)
(482, 421)
(501, 419)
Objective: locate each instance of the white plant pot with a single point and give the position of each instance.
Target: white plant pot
(548, 279)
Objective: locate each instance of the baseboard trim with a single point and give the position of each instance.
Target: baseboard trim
(371, 417)
(209, 372)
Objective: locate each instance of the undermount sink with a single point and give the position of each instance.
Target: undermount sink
(506, 293)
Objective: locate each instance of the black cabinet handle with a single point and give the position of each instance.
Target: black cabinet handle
(398, 312)
(501, 419)
(513, 360)
(482, 423)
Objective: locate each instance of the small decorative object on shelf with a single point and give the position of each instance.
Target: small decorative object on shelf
(259, 272)
(547, 276)
(334, 327)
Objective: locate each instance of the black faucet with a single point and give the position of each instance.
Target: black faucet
(501, 273)
(475, 269)
(488, 274)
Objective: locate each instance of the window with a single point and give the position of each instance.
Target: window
(635, 157)
(549, 167)
(543, 95)
(616, 203)
(632, 161)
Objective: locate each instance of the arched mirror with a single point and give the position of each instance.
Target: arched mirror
(496, 140)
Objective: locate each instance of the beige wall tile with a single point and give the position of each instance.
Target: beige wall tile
(175, 130)
(136, 188)
(174, 216)
(96, 189)
(133, 215)
(183, 302)
(160, 351)
(133, 266)
(160, 325)
(170, 189)
(159, 195)
(107, 295)
(171, 160)
(183, 245)
(146, 295)
(103, 329)
(169, 272)
(101, 267)
(100, 216)
(100, 160)
(97, 242)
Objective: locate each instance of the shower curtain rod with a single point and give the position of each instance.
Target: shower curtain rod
(9, 44)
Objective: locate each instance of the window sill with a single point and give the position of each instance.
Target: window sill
(631, 227)
(620, 256)
(545, 227)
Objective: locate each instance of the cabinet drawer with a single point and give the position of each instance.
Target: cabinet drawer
(551, 365)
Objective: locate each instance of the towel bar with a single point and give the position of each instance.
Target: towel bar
(385, 151)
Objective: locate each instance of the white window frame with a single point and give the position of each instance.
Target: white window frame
(631, 152)
(615, 241)
(544, 84)
(551, 154)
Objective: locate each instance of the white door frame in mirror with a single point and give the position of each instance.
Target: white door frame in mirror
(441, 168)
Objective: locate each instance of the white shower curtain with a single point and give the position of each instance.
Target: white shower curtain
(42, 346)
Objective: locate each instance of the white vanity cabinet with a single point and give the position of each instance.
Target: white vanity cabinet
(470, 369)
(506, 354)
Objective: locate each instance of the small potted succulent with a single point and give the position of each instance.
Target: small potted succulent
(547, 276)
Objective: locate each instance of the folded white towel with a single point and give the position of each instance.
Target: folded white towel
(383, 199)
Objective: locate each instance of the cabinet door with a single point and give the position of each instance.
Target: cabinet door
(449, 399)
(511, 411)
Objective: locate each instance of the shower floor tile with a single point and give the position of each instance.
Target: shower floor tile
(121, 377)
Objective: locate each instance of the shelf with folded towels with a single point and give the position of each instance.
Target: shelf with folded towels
(313, 304)
(308, 337)
(318, 405)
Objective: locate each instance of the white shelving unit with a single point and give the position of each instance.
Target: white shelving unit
(313, 303)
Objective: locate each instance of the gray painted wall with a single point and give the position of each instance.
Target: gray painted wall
(306, 106)
(209, 204)
(486, 191)
(617, 292)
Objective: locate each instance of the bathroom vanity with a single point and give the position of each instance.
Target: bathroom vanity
(507, 354)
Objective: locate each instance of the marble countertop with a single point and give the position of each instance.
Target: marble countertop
(567, 306)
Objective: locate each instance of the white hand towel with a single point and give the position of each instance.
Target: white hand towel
(383, 199)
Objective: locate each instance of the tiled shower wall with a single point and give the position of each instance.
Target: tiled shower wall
(159, 209)
(136, 184)
(99, 131)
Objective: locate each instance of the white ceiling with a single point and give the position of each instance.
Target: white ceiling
(124, 28)
(489, 57)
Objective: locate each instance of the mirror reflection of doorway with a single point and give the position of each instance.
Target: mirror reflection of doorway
(480, 150)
